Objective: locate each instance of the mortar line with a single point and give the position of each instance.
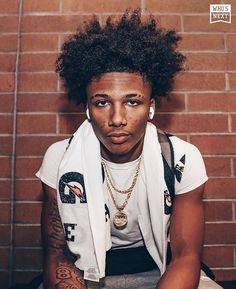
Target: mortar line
(14, 134)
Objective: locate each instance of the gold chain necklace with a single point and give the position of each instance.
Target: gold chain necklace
(120, 218)
(109, 179)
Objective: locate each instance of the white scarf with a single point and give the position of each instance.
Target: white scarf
(86, 228)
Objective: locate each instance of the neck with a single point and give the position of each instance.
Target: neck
(130, 156)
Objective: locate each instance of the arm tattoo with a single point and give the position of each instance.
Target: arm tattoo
(69, 277)
(54, 237)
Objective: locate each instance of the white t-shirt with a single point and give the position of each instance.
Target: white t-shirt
(189, 164)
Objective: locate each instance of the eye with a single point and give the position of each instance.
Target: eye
(102, 103)
(133, 102)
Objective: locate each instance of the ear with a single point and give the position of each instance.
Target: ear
(151, 109)
(153, 103)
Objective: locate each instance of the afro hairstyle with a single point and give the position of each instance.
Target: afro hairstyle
(126, 45)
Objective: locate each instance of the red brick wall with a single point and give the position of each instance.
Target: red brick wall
(34, 114)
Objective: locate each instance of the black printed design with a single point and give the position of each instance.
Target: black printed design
(179, 168)
(107, 213)
(68, 231)
(71, 187)
(168, 202)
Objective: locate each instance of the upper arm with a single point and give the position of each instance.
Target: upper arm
(52, 231)
(187, 224)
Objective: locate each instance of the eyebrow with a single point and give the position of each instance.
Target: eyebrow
(130, 95)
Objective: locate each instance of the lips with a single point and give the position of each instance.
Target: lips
(118, 138)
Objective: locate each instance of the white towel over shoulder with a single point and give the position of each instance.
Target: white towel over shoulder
(81, 201)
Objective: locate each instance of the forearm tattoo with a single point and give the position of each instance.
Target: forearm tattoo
(69, 277)
(55, 238)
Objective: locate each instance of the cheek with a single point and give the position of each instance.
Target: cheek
(99, 128)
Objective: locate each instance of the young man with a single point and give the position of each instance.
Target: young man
(106, 214)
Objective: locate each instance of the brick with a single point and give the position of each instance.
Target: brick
(5, 167)
(5, 216)
(5, 235)
(199, 42)
(34, 145)
(231, 61)
(24, 277)
(6, 123)
(220, 188)
(235, 212)
(6, 101)
(4, 279)
(99, 6)
(41, 6)
(225, 275)
(8, 43)
(169, 22)
(8, 24)
(27, 167)
(4, 260)
(52, 23)
(222, 102)
(69, 123)
(206, 61)
(170, 6)
(181, 123)
(231, 41)
(200, 81)
(224, 256)
(36, 123)
(176, 102)
(232, 81)
(233, 122)
(39, 42)
(5, 190)
(7, 62)
(219, 233)
(9, 7)
(29, 190)
(218, 166)
(27, 236)
(215, 144)
(234, 161)
(38, 82)
(53, 102)
(37, 62)
(27, 259)
(218, 211)
(5, 145)
(7, 81)
(201, 23)
(28, 213)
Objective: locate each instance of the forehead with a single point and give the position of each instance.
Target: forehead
(119, 82)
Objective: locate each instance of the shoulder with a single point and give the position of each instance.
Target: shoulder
(190, 169)
(182, 148)
(51, 162)
(57, 149)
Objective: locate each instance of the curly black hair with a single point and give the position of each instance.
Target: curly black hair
(127, 45)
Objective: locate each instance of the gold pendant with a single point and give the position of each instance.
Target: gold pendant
(120, 220)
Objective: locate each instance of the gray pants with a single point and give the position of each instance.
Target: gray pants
(144, 280)
(147, 280)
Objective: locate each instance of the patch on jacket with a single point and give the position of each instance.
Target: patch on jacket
(179, 168)
(168, 202)
(71, 187)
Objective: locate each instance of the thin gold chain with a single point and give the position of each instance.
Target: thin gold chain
(128, 191)
(118, 207)
(132, 184)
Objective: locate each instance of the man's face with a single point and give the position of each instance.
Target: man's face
(119, 104)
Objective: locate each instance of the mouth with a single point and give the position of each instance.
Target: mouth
(118, 138)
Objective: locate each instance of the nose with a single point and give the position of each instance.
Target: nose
(117, 116)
